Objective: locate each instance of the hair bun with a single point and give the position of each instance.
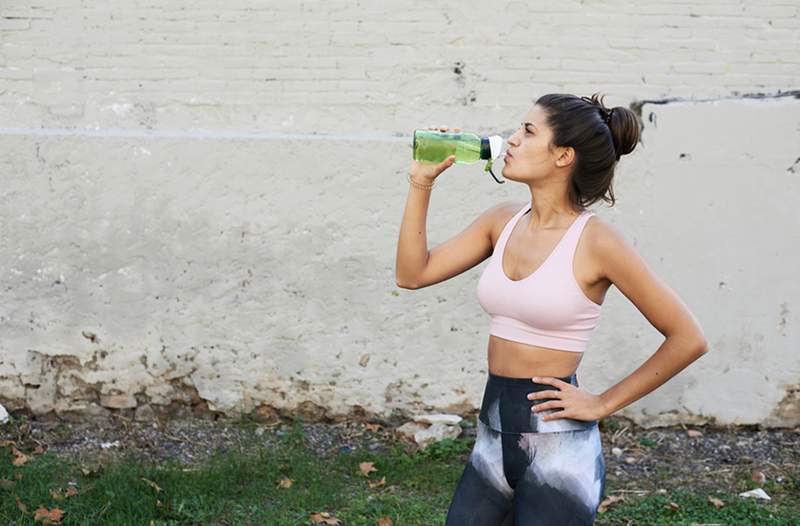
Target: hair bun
(625, 126)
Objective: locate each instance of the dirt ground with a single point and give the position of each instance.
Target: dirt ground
(637, 460)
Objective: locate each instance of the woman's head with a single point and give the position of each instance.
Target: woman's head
(575, 137)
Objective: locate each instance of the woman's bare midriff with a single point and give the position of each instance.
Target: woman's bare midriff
(520, 360)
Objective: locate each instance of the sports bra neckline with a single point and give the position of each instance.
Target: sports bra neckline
(510, 229)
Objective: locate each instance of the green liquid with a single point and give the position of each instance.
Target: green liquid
(435, 147)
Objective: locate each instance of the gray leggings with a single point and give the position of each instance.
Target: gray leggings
(526, 472)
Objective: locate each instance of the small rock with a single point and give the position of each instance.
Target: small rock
(106, 445)
(630, 460)
(439, 418)
(435, 433)
(759, 477)
(693, 433)
(3, 415)
(118, 401)
(408, 429)
(144, 413)
(756, 493)
(617, 452)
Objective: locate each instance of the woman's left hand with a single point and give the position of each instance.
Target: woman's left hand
(576, 403)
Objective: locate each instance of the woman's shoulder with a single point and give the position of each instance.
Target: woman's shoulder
(499, 215)
(605, 238)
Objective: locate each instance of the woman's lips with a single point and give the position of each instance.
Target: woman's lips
(507, 157)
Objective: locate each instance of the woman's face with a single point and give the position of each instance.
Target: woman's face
(530, 157)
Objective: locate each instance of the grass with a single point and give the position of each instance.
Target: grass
(236, 489)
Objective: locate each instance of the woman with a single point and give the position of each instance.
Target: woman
(537, 457)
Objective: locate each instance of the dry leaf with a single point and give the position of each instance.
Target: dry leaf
(716, 502)
(385, 521)
(48, 517)
(7, 443)
(19, 457)
(38, 451)
(759, 477)
(693, 433)
(381, 482)
(151, 484)
(22, 507)
(323, 518)
(608, 501)
(71, 491)
(285, 482)
(672, 506)
(372, 427)
(56, 494)
(367, 468)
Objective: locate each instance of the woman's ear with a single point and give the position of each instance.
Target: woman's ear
(565, 156)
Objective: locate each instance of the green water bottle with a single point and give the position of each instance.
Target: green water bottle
(434, 147)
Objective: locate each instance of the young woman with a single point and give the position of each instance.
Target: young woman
(537, 458)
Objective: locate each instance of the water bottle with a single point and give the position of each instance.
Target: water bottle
(434, 147)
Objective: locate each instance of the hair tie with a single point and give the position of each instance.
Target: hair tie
(608, 117)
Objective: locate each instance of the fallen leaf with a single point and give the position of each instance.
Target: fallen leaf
(56, 494)
(381, 482)
(608, 501)
(372, 427)
(71, 491)
(693, 433)
(323, 518)
(22, 507)
(48, 517)
(672, 506)
(19, 457)
(151, 484)
(385, 521)
(716, 502)
(759, 477)
(367, 468)
(285, 482)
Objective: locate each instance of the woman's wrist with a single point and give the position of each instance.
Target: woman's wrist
(421, 182)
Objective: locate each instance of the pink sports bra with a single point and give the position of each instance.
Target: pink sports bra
(547, 308)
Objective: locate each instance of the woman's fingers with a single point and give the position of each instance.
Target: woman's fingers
(443, 128)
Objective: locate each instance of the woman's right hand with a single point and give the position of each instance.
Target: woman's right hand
(426, 173)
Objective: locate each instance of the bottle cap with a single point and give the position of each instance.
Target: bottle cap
(496, 146)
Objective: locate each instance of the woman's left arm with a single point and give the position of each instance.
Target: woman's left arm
(684, 342)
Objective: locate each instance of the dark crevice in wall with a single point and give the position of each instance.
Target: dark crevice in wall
(636, 106)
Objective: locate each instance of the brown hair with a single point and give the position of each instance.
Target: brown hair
(599, 136)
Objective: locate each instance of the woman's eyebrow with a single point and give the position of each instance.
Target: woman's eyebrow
(532, 124)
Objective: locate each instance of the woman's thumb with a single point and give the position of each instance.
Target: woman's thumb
(448, 162)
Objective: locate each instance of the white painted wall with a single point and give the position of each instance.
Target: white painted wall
(215, 191)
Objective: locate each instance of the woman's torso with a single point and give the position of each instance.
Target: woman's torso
(524, 253)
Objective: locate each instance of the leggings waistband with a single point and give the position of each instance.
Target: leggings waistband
(526, 381)
(506, 408)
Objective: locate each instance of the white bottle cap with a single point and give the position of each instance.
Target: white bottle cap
(495, 146)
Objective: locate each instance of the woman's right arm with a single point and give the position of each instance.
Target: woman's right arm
(416, 267)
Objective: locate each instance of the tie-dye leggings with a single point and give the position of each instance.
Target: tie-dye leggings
(525, 472)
